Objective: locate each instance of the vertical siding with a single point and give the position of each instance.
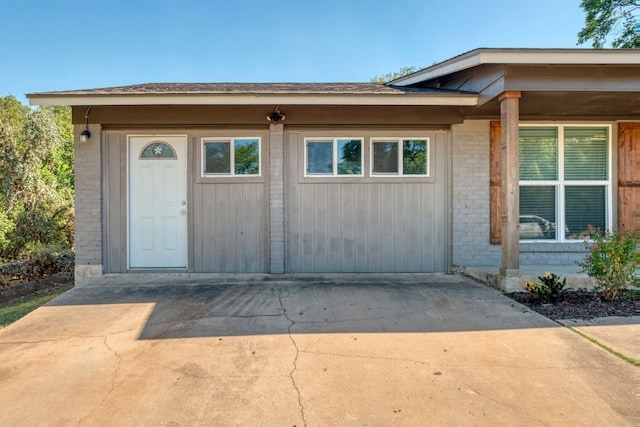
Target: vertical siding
(230, 224)
(368, 224)
(115, 203)
(229, 220)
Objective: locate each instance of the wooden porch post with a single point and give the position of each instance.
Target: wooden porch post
(509, 117)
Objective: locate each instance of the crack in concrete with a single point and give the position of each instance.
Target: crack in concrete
(295, 360)
(113, 381)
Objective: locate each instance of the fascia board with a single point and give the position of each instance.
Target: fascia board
(412, 99)
(536, 57)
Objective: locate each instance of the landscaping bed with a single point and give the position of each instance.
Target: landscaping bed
(42, 271)
(583, 304)
(43, 286)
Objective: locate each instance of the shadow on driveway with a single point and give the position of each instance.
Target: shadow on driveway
(310, 304)
(376, 350)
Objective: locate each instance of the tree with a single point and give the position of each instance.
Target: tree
(610, 18)
(394, 75)
(36, 175)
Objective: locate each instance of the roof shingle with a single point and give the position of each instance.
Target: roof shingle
(248, 88)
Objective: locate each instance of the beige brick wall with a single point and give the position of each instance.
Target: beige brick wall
(470, 207)
(88, 201)
(276, 198)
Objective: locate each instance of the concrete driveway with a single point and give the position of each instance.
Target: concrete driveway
(293, 351)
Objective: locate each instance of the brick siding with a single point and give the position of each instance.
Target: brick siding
(276, 198)
(88, 200)
(470, 207)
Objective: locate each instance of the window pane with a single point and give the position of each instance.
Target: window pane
(585, 153)
(537, 213)
(584, 206)
(538, 153)
(247, 156)
(349, 157)
(158, 150)
(217, 157)
(385, 157)
(414, 160)
(320, 157)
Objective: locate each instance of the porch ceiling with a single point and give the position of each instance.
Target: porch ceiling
(568, 105)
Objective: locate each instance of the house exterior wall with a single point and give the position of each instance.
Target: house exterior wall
(228, 216)
(284, 222)
(470, 207)
(276, 199)
(242, 224)
(88, 203)
(367, 224)
(114, 189)
(470, 195)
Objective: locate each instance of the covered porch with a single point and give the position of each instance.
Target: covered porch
(569, 90)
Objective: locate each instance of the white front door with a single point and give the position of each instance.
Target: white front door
(158, 202)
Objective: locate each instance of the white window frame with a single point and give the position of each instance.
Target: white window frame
(232, 160)
(334, 148)
(400, 142)
(560, 184)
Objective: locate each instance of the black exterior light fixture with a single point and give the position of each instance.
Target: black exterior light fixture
(85, 134)
(276, 116)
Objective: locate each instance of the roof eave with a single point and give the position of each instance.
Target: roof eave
(253, 99)
(522, 56)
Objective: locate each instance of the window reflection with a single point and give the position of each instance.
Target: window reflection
(320, 157)
(385, 157)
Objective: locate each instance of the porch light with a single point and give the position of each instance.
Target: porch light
(276, 116)
(85, 134)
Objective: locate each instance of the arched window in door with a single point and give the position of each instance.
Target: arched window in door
(158, 150)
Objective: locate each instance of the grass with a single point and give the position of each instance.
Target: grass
(627, 359)
(15, 310)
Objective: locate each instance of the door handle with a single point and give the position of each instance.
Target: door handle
(183, 212)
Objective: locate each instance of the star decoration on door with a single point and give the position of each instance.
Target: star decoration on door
(158, 150)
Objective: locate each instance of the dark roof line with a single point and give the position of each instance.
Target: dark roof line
(250, 89)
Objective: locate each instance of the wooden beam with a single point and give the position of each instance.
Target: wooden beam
(509, 118)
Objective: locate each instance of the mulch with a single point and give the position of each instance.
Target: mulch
(582, 304)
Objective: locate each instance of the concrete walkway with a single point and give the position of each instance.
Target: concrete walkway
(356, 350)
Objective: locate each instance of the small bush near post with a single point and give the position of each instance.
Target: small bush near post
(548, 290)
(611, 261)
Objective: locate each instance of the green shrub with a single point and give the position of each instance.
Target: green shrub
(611, 261)
(47, 260)
(36, 177)
(40, 262)
(549, 289)
(6, 228)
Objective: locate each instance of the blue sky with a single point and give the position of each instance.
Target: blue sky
(68, 44)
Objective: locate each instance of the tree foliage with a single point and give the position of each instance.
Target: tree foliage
(36, 177)
(610, 18)
(403, 71)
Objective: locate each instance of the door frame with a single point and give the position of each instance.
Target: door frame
(128, 201)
